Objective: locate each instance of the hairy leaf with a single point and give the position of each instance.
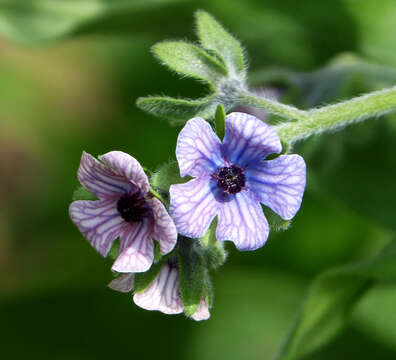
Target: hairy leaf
(213, 36)
(190, 60)
(177, 110)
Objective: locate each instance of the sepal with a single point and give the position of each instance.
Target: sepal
(157, 251)
(220, 116)
(275, 222)
(192, 274)
(213, 250)
(215, 255)
(167, 175)
(143, 280)
(115, 249)
(285, 150)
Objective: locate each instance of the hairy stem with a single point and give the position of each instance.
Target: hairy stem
(327, 118)
(272, 106)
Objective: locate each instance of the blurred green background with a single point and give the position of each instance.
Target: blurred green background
(70, 73)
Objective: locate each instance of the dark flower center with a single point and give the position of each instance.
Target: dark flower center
(133, 207)
(231, 179)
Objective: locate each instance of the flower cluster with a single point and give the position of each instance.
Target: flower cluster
(230, 181)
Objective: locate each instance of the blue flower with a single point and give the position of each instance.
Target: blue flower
(232, 178)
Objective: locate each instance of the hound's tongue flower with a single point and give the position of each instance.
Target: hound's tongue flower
(232, 178)
(125, 210)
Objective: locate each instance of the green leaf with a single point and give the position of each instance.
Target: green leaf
(213, 36)
(167, 175)
(142, 280)
(275, 221)
(82, 193)
(215, 54)
(192, 274)
(220, 121)
(37, 21)
(330, 298)
(177, 110)
(190, 60)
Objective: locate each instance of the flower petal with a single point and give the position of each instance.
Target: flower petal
(99, 221)
(193, 206)
(248, 139)
(163, 293)
(242, 221)
(100, 180)
(198, 149)
(164, 228)
(279, 183)
(124, 283)
(136, 248)
(202, 312)
(128, 167)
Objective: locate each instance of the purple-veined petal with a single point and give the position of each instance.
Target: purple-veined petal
(202, 312)
(99, 221)
(163, 293)
(136, 248)
(198, 149)
(248, 139)
(279, 183)
(124, 283)
(193, 206)
(242, 221)
(100, 180)
(128, 167)
(164, 228)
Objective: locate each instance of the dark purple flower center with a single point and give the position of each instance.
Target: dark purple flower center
(172, 262)
(231, 179)
(133, 207)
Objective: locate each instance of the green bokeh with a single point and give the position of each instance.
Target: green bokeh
(72, 87)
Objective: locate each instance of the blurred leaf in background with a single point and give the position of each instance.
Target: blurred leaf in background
(38, 21)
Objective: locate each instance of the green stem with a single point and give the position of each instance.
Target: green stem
(335, 116)
(272, 106)
(326, 118)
